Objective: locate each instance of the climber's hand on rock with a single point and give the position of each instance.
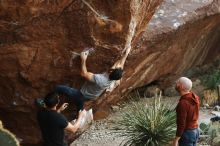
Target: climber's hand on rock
(84, 55)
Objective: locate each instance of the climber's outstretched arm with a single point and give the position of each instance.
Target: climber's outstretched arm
(120, 63)
(84, 73)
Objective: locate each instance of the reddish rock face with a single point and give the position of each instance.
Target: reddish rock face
(181, 34)
(36, 38)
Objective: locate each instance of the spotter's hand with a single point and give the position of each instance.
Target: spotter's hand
(64, 106)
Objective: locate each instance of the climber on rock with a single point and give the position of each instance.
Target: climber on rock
(52, 123)
(95, 84)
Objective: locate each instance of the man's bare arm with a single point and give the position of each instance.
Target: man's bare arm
(63, 107)
(74, 127)
(121, 62)
(84, 73)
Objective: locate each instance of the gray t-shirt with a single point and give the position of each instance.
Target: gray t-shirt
(96, 86)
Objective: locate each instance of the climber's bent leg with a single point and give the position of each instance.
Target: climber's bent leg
(69, 92)
(72, 95)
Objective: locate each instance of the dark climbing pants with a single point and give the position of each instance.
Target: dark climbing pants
(72, 95)
(189, 137)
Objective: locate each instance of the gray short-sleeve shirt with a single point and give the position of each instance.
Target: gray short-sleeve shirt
(96, 86)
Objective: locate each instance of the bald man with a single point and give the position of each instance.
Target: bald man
(187, 112)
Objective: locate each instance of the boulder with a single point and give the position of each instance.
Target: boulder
(170, 92)
(152, 91)
(37, 37)
(39, 43)
(198, 88)
(217, 108)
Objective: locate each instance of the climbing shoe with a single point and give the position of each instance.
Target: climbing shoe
(40, 102)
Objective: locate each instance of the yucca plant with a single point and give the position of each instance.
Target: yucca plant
(144, 125)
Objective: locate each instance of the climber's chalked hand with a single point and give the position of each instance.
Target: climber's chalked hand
(84, 55)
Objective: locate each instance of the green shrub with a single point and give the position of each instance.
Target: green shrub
(214, 130)
(7, 138)
(212, 79)
(145, 125)
(204, 128)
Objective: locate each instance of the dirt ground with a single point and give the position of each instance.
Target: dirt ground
(101, 132)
